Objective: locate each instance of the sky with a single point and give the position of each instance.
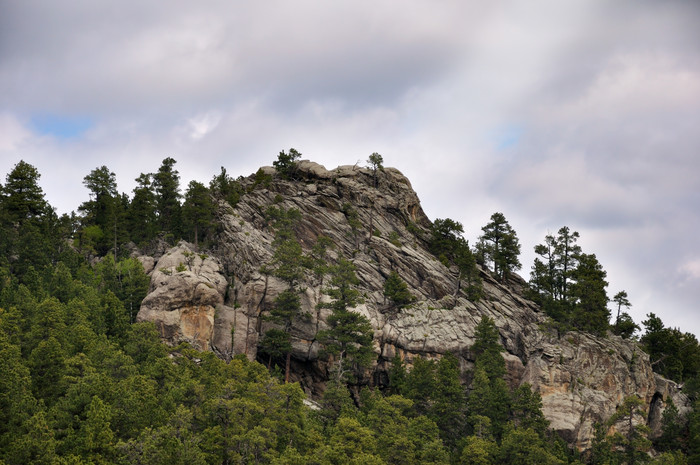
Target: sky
(584, 113)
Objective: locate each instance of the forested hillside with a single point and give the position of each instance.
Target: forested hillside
(83, 382)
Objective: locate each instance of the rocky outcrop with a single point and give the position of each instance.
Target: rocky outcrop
(186, 291)
(217, 303)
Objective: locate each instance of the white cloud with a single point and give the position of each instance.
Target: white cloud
(12, 133)
(202, 124)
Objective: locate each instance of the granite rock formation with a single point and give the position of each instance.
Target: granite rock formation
(216, 302)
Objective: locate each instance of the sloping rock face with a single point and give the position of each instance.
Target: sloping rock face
(217, 303)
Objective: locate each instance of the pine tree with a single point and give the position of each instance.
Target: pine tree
(287, 264)
(142, 218)
(23, 197)
(633, 441)
(286, 163)
(350, 336)
(503, 246)
(449, 402)
(198, 210)
(167, 188)
(590, 300)
(104, 210)
(396, 290)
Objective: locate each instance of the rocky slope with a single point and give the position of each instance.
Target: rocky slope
(215, 302)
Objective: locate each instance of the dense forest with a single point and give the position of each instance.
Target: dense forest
(83, 383)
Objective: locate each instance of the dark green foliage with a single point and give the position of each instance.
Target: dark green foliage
(625, 326)
(694, 434)
(674, 354)
(501, 246)
(632, 445)
(275, 343)
(286, 163)
(448, 245)
(487, 348)
(141, 217)
(287, 265)
(104, 212)
(222, 186)
(672, 429)
(448, 409)
(526, 410)
(396, 291)
(350, 336)
(197, 211)
(570, 285)
(421, 383)
(166, 183)
(590, 311)
(81, 383)
(446, 238)
(376, 164)
(23, 198)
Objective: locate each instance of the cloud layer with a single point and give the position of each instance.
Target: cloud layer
(580, 113)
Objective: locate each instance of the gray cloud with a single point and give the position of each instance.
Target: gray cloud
(581, 113)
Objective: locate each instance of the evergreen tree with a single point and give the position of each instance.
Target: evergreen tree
(376, 163)
(694, 434)
(448, 245)
(421, 383)
(588, 294)
(522, 446)
(448, 409)
(502, 246)
(286, 163)
(621, 300)
(487, 348)
(287, 263)
(166, 183)
(198, 210)
(222, 186)
(23, 198)
(489, 396)
(103, 209)
(671, 429)
(526, 410)
(396, 290)
(350, 336)
(632, 442)
(142, 218)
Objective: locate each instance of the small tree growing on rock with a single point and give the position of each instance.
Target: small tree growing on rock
(286, 163)
(396, 290)
(349, 338)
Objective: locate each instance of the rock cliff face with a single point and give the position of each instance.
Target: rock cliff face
(216, 302)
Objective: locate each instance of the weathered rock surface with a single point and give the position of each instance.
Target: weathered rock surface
(217, 303)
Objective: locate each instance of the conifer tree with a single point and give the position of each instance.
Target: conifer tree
(286, 264)
(286, 163)
(198, 210)
(502, 246)
(350, 336)
(166, 183)
(142, 217)
(396, 290)
(590, 300)
(104, 210)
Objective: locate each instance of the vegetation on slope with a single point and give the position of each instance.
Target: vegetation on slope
(82, 383)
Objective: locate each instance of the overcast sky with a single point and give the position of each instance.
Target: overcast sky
(583, 113)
